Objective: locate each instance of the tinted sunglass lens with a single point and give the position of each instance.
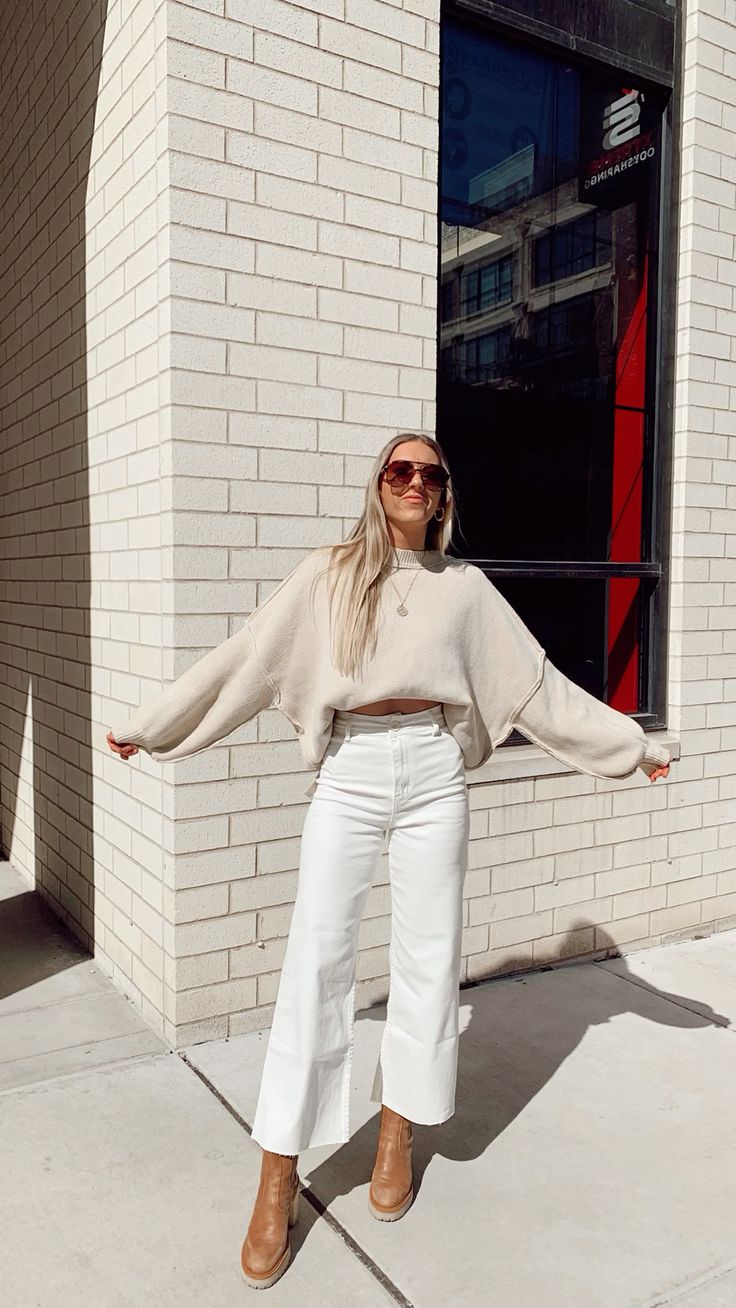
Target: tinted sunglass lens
(401, 473)
(435, 480)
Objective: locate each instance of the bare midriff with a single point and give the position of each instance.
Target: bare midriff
(396, 706)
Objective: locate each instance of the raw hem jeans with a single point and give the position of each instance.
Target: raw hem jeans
(400, 775)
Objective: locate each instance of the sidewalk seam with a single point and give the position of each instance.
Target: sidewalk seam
(44, 1005)
(312, 1199)
(678, 1293)
(631, 979)
(43, 1082)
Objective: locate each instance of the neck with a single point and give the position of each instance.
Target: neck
(402, 541)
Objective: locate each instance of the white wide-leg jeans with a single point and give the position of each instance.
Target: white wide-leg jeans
(401, 774)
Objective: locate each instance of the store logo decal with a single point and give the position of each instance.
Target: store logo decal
(621, 120)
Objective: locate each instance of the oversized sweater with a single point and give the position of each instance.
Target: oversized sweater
(460, 643)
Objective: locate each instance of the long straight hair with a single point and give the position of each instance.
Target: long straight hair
(358, 567)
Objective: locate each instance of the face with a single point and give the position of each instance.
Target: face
(410, 508)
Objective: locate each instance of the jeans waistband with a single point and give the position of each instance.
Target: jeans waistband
(375, 722)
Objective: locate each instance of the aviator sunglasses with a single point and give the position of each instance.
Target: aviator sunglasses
(401, 471)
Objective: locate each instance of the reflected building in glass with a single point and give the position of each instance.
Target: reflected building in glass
(548, 266)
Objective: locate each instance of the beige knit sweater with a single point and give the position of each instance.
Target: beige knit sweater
(460, 643)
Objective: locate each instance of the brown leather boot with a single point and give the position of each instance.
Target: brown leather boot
(266, 1251)
(391, 1190)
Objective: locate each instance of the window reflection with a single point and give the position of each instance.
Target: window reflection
(548, 189)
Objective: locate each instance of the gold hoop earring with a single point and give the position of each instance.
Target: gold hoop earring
(439, 514)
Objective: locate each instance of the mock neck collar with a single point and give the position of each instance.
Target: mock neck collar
(415, 558)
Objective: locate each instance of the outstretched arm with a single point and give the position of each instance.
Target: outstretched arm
(222, 691)
(580, 730)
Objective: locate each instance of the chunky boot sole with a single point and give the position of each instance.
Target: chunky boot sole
(391, 1214)
(265, 1282)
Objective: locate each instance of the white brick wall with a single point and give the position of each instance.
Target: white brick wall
(260, 314)
(341, 233)
(303, 280)
(83, 343)
(127, 330)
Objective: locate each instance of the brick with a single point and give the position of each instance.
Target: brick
(194, 64)
(303, 401)
(267, 156)
(281, 18)
(592, 911)
(341, 107)
(687, 891)
(364, 147)
(318, 66)
(211, 866)
(674, 918)
(497, 962)
(316, 336)
(357, 43)
(281, 124)
(496, 907)
(622, 931)
(215, 934)
(570, 944)
(570, 891)
(387, 88)
(203, 902)
(358, 243)
(265, 890)
(196, 971)
(636, 902)
(215, 1000)
(521, 929)
(377, 16)
(515, 876)
(252, 1019)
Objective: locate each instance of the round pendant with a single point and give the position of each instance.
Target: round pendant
(402, 610)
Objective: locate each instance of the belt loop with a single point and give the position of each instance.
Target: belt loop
(348, 725)
(435, 728)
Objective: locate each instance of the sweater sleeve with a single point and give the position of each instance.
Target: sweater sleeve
(585, 733)
(222, 691)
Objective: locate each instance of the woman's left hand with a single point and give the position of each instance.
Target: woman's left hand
(658, 770)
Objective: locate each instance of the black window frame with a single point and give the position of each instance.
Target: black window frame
(623, 29)
(472, 280)
(562, 264)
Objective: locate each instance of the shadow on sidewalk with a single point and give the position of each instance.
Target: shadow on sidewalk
(34, 944)
(506, 1059)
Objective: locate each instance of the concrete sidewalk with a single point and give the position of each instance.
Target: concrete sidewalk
(590, 1162)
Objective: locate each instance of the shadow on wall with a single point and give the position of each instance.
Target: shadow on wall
(52, 51)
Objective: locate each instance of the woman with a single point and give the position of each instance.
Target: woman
(400, 668)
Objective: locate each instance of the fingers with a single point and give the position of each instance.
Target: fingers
(123, 751)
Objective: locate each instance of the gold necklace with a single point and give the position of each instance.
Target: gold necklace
(401, 608)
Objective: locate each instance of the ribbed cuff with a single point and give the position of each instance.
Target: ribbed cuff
(129, 733)
(657, 754)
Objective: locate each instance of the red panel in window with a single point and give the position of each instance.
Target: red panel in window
(626, 503)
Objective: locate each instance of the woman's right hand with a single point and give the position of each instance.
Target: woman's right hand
(124, 751)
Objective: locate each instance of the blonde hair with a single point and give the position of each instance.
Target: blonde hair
(358, 566)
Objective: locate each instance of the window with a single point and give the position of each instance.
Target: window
(573, 248)
(487, 286)
(486, 356)
(547, 360)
